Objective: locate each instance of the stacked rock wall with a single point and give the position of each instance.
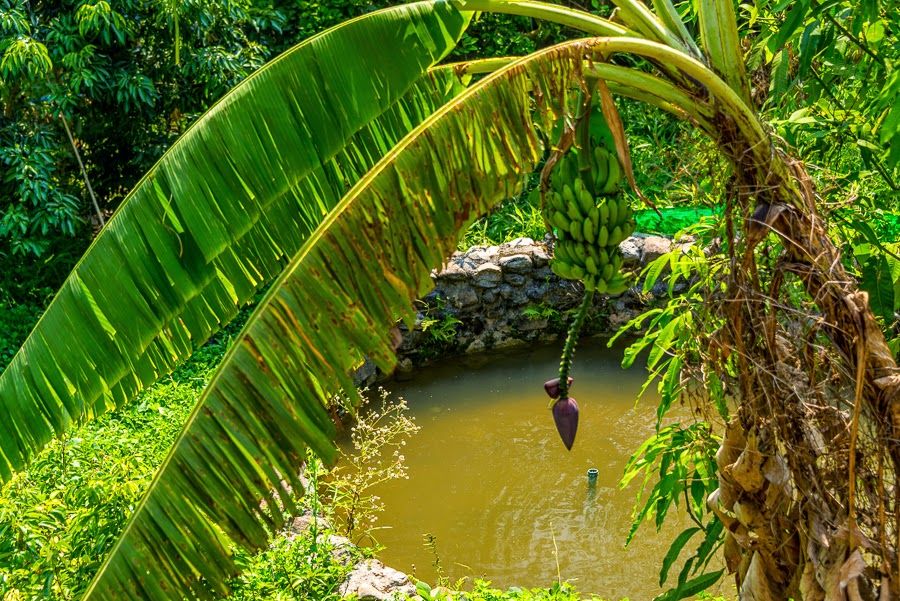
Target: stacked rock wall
(500, 296)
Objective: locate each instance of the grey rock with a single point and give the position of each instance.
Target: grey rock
(432, 299)
(487, 275)
(564, 294)
(514, 279)
(371, 580)
(661, 287)
(520, 263)
(405, 365)
(475, 259)
(366, 373)
(540, 256)
(655, 247)
(685, 243)
(536, 291)
(616, 320)
(463, 297)
(631, 249)
(529, 325)
(476, 346)
(303, 522)
(489, 297)
(454, 272)
(543, 273)
(508, 343)
(517, 246)
(513, 295)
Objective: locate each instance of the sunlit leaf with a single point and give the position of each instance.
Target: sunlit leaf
(220, 214)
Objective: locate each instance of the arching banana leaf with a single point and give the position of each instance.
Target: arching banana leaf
(221, 213)
(339, 296)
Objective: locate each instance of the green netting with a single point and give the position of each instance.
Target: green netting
(673, 219)
(886, 226)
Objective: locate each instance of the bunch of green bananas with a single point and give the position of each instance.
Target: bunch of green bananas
(589, 228)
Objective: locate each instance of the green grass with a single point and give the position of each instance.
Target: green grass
(59, 517)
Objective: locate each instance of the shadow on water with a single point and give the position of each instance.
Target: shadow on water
(491, 480)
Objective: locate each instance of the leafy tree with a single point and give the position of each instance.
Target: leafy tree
(349, 168)
(111, 84)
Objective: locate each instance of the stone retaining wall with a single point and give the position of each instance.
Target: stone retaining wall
(502, 296)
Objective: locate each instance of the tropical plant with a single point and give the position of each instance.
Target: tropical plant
(351, 165)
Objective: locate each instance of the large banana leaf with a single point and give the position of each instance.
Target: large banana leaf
(339, 296)
(221, 213)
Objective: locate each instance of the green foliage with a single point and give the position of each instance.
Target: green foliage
(217, 216)
(109, 68)
(305, 568)
(677, 464)
(59, 518)
(822, 60)
(16, 322)
(440, 331)
(515, 218)
(482, 591)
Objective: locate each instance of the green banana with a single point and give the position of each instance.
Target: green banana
(566, 170)
(615, 176)
(603, 236)
(556, 202)
(581, 254)
(568, 195)
(591, 266)
(572, 211)
(603, 210)
(601, 167)
(578, 187)
(604, 256)
(615, 236)
(601, 286)
(578, 272)
(607, 271)
(618, 284)
(590, 234)
(560, 221)
(586, 202)
(625, 211)
(563, 270)
(613, 212)
(575, 230)
(561, 253)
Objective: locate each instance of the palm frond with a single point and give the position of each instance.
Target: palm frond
(221, 213)
(340, 296)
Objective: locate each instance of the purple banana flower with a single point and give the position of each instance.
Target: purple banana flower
(552, 387)
(565, 414)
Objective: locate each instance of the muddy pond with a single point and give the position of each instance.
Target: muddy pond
(491, 481)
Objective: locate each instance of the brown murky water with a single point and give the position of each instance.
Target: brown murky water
(490, 479)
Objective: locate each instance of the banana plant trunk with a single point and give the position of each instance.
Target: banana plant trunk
(802, 493)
